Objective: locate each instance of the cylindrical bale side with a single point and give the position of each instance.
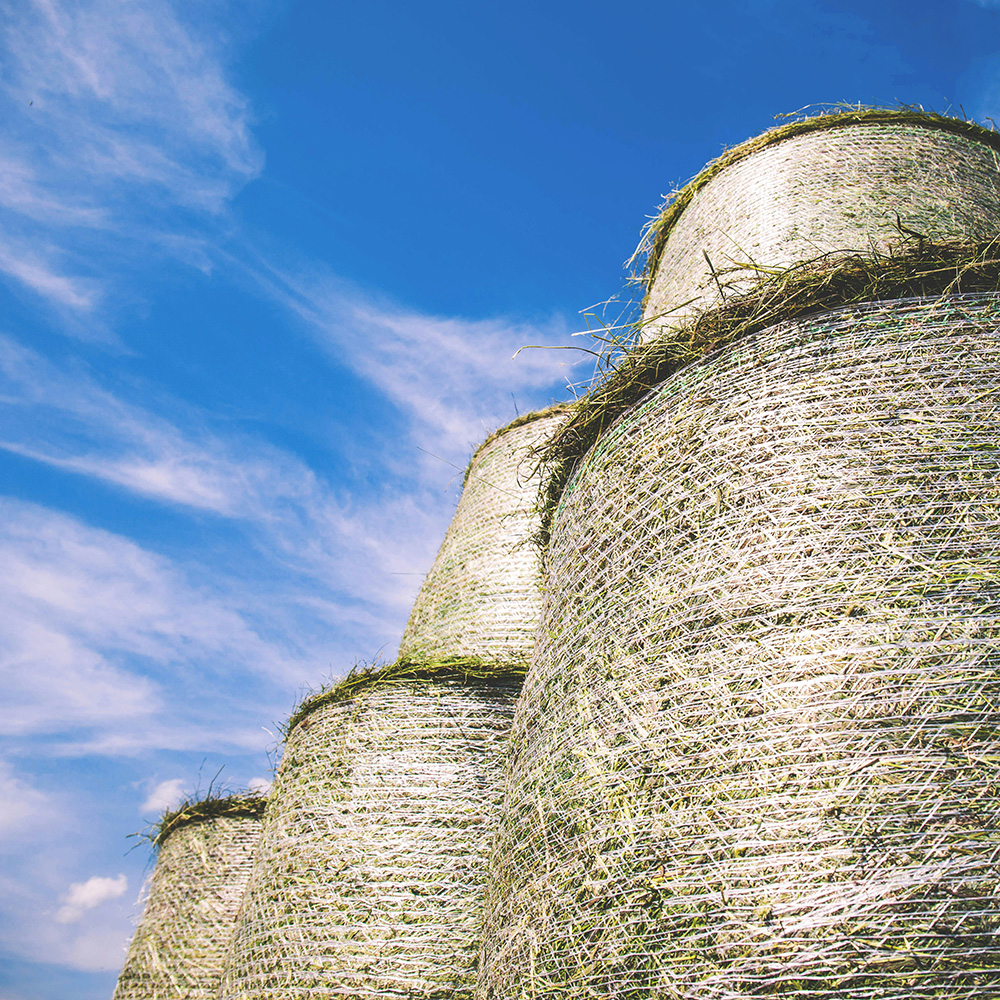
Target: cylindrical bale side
(481, 597)
(847, 187)
(205, 853)
(758, 748)
(369, 878)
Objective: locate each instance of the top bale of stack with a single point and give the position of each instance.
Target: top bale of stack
(855, 181)
(481, 597)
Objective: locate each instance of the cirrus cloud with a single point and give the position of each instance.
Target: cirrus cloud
(166, 795)
(84, 896)
(117, 118)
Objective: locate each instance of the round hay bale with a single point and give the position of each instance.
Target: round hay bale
(205, 852)
(824, 185)
(758, 748)
(481, 597)
(369, 878)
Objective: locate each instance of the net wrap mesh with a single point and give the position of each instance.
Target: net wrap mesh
(481, 597)
(758, 748)
(194, 894)
(838, 189)
(369, 877)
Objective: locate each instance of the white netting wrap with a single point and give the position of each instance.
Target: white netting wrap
(369, 878)
(481, 597)
(758, 749)
(179, 947)
(837, 189)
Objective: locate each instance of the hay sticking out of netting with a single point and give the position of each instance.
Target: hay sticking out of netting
(369, 877)
(758, 749)
(245, 805)
(826, 183)
(481, 596)
(462, 669)
(204, 857)
(525, 418)
(914, 268)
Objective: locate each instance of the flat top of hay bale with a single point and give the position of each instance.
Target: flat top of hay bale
(241, 805)
(525, 418)
(656, 233)
(918, 269)
(457, 668)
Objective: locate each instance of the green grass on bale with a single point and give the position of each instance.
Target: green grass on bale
(245, 804)
(454, 668)
(656, 233)
(915, 267)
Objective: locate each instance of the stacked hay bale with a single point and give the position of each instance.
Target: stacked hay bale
(369, 877)
(830, 184)
(205, 851)
(758, 749)
(481, 597)
(369, 881)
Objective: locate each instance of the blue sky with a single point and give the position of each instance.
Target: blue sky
(264, 267)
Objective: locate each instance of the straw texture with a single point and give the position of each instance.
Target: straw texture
(481, 596)
(201, 871)
(369, 878)
(758, 748)
(830, 190)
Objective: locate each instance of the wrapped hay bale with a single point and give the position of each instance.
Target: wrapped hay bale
(481, 597)
(205, 852)
(758, 749)
(369, 877)
(822, 185)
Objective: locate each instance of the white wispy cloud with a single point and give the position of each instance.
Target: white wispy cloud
(45, 883)
(24, 806)
(65, 419)
(23, 190)
(84, 926)
(105, 585)
(103, 637)
(84, 896)
(34, 266)
(114, 115)
(57, 681)
(453, 377)
(328, 576)
(166, 795)
(131, 93)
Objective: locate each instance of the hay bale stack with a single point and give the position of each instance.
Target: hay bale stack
(369, 878)
(205, 853)
(827, 184)
(758, 748)
(481, 597)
